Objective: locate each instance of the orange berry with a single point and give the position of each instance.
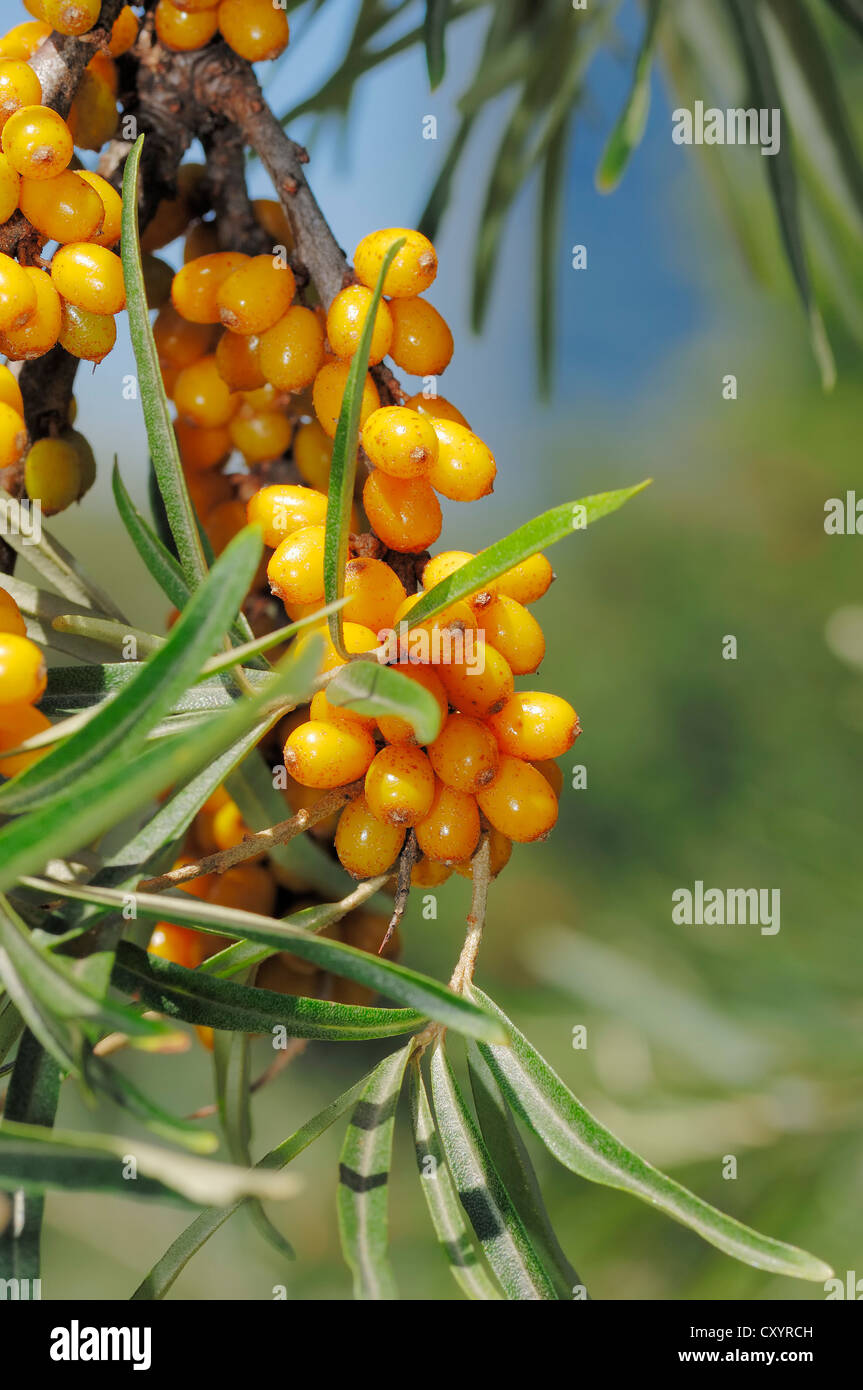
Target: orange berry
(442, 566)
(112, 209)
(22, 670)
(422, 342)
(24, 39)
(239, 361)
(519, 802)
(124, 32)
(481, 689)
(201, 240)
(296, 568)
(10, 391)
(374, 593)
(514, 632)
(446, 630)
(413, 269)
(321, 709)
(346, 318)
(178, 341)
(527, 581)
(89, 276)
(465, 468)
(196, 287)
(329, 390)
(312, 452)
(436, 408)
(260, 435)
(224, 522)
(10, 615)
(196, 887)
(365, 845)
(535, 726)
(264, 397)
(202, 447)
(18, 723)
(427, 874)
(500, 849)
(86, 335)
(398, 730)
(182, 945)
(92, 118)
(184, 30)
(256, 29)
(42, 329)
(13, 435)
(450, 832)
(256, 295)
(404, 512)
(19, 86)
(552, 774)
(356, 639)
(157, 277)
(37, 142)
(208, 491)
(400, 442)
(400, 785)
(270, 215)
(18, 295)
(104, 69)
(10, 188)
(323, 755)
(71, 17)
(249, 887)
(292, 350)
(201, 395)
(465, 754)
(284, 508)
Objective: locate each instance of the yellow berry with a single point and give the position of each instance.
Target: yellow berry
(329, 390)
(10, 188)
(312, 453)
(112, 210)
(397, 730)
(92, 116)
(365, 845)
(260, 435)
(479, 689)
(284, 508)
(323, 754)
(535, 726)
(422, 342)
(239, 361)
(321, 709)
(427, 874)
(519, 802)
(124, 32)
(527, 581)
(413, 269)
(52, 474)
(86, 335)
(436, 408)
(552, 774)
(18, 296)
(71, 16)
(202, 447)
(296, 568)
(400, 784)
(24, 39)
(404, 512)
(514, 632)
(18, 723)
(256, 29)
(374, 593)
(400, 442)
(42, 328)
(63, 209)
(19, 86)
(13, 435)
(184, 30)
(195, 291)
(256, 295)
(456, 619)
(22, 670)
(179, 342)
(450, 831)
(202, 397)
(465, 754)
(356, 639)
(10, 391)
(37, 142)
(442, 566)
(292, 350)
(500, 850)
(346, 318)
(86, 458)
(465, 468)
(89, 276)
(10, 615)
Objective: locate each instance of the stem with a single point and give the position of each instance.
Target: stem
(481, 864)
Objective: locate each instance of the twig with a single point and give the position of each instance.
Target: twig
(60, 60)
(408, 857)
(481, 864)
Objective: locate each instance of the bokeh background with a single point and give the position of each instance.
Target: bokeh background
(703, 1042)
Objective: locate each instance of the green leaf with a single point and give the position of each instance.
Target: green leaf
(517, 1173)
(49, 558)
(851, 11)
(533, 536)
(31, 1099)
(111, 1082)
(40, 1160)
(782, 176)
(581, 1143)
(214, 1002)
(364, 1171)
(369, 688)
(441, 1198)
(489, 1207)
(158, 559)
(160, 430)
(437, 14)
(343, 466)
(628, 130)
(195, 1236)
(39, 607)
(159, 682)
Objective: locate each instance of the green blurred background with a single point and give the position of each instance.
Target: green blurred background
(703, 1042)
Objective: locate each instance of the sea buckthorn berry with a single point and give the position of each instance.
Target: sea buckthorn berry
(239, 360)
(365, 845)
(195, 291)
(413, 269)
(86, 457)
(356, 639)
(71, 16)
(270, 215)
(19, 723)
(422, 342)
(513, 631)
(18, 295)
(261, 435)
(519, 802)
(10, 615)
(52, 475)
(266, 397)
(89, 276)
(447, 628)
(404, 512)
(293, 349)
(397, 730)
(194, 6)
(196, 887)
(22, 670)
(400, 785)
(202, 448)
(535, 726)
(256, 29)
(10, 391)
(112, 212)
(178, 341)
(552, 774)
(275, 975)
(500, 850)
(24, 39)
(478, 689)
(19, 86)
(286, 507)
(103, 67)
(465, 754)
(400, 442)
(13, 435)
(92, 118)
(329, 390)
(10, 189)
(427, 874)
(374, 593)
(321, 709)
(465, 468)
(450, 832)
(203, 824)
(86, 335)
(296, 568)
(366, 931)
(441, 566)
(436, 408)
(201, 240)
(42, 328)
(224, 522)
(202, 397)
(184, 30)
(37, 141)
(257, 294)
(527, 581)
(228, 827)
(62, 209)
(324, 755)
(174, 942)
(208, 491)
(312, 453)
(124, 32)
(346, 318)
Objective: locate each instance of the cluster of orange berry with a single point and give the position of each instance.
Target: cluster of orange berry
(255, 29)
(22, 684)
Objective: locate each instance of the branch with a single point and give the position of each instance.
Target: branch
(481, 863)
(60, 59)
